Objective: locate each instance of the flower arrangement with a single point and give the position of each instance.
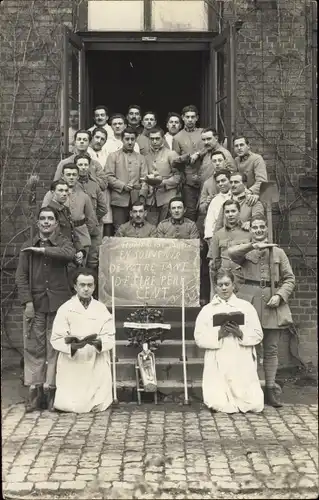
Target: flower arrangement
(139, 327)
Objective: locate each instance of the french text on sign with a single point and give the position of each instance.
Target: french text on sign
(149, 270)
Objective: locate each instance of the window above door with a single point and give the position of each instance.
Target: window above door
(150, 15)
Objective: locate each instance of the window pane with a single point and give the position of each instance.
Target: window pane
(116, 15)
(179, 15)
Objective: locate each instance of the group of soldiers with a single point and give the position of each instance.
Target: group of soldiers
(126, 177)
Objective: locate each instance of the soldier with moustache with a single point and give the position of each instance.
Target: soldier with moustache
(137, 226)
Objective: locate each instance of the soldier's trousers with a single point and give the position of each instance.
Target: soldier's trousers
(92, 260)
(270, 347)
(39, 356)
(190, 196)
(155, 214)
(120, 216)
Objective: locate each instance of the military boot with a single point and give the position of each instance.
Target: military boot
(271, 398)
(34, 399)
(49, 393)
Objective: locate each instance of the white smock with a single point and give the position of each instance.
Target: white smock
(84, 381)
(230, 378)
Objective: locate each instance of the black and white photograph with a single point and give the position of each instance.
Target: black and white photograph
(159, 323)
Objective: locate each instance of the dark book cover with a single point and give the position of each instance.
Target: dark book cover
(222, 318)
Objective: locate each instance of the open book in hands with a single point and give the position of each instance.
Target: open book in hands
(84, 340)
(237, 317)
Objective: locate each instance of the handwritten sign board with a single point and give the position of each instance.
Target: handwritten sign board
(149, 270)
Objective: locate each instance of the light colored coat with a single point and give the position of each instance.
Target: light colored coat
(122, 168)
(213, 212)
(230, 379)
(84, 381)
(255, 266)
(163, 161)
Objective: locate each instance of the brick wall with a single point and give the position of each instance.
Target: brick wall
(272, 112)
(31, 49)
(273, 85)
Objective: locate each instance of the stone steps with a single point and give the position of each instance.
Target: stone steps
(169, 348)
(169, 367)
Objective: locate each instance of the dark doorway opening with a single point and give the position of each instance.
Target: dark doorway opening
(160, 81)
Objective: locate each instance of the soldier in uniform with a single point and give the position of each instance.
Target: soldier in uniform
(273, 311)
(61, 191)
(161, 162)
(252, 165)
(42, 282)
(238, 182)
(118, 123)
(173, 124)
(137, 227)
(210, 188)
(187, 142)
(124, 170)
(134, 118)
(230, 234)
(149, 121)
(101, 116)
(82, 140)
(82, 212)
(211, 145)
(177, 226)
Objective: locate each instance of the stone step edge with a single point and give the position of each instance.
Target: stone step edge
(175, 384)
(174, 324)
(179, 384)
(162, 361)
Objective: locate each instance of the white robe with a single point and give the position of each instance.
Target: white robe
(213, 212)
(230, 379)
(84, 381)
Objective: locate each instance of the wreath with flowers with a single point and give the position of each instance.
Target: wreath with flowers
(140, 330)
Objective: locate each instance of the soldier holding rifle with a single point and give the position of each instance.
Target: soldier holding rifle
(272, 306)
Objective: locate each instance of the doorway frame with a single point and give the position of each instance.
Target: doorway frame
(149, 42)
(204, 42)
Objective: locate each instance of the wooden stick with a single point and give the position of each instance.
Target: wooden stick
(183, 345)
(271, 250)
(115, 400)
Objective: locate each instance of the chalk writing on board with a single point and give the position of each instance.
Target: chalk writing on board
(149, 270)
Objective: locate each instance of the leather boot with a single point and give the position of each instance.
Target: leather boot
(270, 397)
(49, 393)
(34, 400)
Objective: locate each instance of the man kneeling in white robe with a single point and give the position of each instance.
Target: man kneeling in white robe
(83, 333)
(230, 379)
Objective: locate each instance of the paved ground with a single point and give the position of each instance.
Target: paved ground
(160, 452)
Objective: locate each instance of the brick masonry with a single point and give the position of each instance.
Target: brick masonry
(273, 112)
